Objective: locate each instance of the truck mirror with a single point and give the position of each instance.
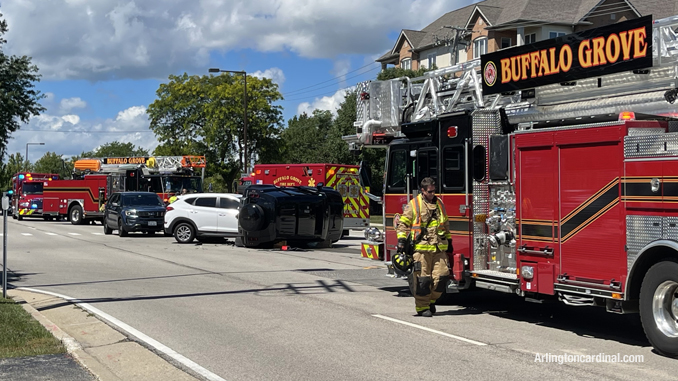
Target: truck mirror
(479, 163)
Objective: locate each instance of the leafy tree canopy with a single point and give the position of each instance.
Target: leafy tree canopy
(116, 149)
(18, 98)
(396, 72)
(50, 162)
(203, 115)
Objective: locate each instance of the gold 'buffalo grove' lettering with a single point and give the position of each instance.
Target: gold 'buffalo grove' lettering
(601, 50)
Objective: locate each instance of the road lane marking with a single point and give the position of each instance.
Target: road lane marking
(74, 234)
(51, 233)
(429, 330)
(26, 234)
(134, 332)
(98, 233)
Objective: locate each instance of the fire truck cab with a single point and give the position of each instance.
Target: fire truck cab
(558, 175)
(27, 194)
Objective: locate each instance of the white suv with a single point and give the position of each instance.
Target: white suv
(198, 215)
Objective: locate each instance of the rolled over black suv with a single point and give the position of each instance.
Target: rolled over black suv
(134, 212)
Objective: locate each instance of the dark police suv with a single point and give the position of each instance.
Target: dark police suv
(134, 212)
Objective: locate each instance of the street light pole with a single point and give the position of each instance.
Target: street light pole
(32, 144)
(216, 70)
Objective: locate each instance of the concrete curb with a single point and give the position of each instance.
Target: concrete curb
(72, 346)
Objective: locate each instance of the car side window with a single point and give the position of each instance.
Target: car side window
(114, 199)
(228, 203)
(189, 200)
(210, 202)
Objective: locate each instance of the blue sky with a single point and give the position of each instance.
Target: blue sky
(102, 61)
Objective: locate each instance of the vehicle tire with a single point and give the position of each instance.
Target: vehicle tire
(75, 215)
(345, 233)
(20, 217)
(238, 242)
(121, 230)
(107, 230)
(184, 232)
(14, 216)
(659, 307)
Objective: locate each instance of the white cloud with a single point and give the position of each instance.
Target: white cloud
(69, 135)
(330, 103)
(275, 74)
(106, 39)
(69, 104)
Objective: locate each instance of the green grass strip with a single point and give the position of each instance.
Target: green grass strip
(21, 335)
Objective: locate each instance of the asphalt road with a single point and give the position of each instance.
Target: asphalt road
(246, 314)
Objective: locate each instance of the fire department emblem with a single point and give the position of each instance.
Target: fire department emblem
(311, 182)
(490, 73)
(343, 190)
(353, 191)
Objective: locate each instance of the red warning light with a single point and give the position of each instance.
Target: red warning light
(452, 132)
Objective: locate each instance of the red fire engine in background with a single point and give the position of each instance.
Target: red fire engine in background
(27, 189)
(560, 179)
(82, 198)
(348, 180)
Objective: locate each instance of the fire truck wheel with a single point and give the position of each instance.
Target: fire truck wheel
(20, 218)
(121, 229)
(184, 232)
(75, 215)
(14, 216)
(659, 307)
(107, 230)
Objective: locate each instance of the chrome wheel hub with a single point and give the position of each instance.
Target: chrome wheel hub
(665, 308)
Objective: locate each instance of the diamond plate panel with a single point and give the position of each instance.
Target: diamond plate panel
(485, 123)
(641, 230)
(670, 228)
(651, 145)
(362, 106)
(645, 131)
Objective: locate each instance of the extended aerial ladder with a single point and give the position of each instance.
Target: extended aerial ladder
(384, 106)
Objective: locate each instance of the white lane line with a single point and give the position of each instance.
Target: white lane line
(74, 234)
(26, 234)
(430, 330)
(48, 233)
(134, 332)
(98, 233)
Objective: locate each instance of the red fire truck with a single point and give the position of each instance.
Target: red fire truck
(27, 189)
(82, 198)
(346, 179)
(557, 163)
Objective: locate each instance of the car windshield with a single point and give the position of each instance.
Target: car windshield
(32, 188)
(142, 200)
(174, 184)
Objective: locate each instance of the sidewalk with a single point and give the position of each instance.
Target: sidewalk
(102, 352)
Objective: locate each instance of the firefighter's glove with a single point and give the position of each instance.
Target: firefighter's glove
(450, 248)
(401, 245)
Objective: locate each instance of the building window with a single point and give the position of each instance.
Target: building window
(556, 34)
(530, 38)
(431, 60)
(613, 16)
(505, 42)
(479, 47)
(406, 64)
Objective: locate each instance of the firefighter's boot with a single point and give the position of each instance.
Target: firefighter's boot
(432, 307)
(425, 313)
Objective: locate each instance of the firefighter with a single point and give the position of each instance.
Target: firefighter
(424, 220)
(172, 198)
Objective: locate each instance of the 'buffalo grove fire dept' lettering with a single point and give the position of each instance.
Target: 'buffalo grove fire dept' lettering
(613, 48)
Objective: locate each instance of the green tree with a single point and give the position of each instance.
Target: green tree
(18, 98)
(396, 72)
(305, 139)
(50, 162)
(203, 115)
(14, 165)
(116, 149)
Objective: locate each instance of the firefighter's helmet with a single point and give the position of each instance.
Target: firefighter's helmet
(403, 263)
